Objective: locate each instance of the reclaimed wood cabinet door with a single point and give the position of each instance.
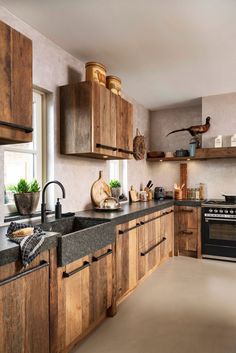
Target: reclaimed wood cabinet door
(167, 233)
(95, 122)
(188, 231)
(126, 258)
(75, 301)
(16, 86)
(148, 243)
(106, 108)
(24, 311)
(101, 282)
(124, 129)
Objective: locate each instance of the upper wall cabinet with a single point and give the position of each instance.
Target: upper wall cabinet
(95, 122)
(16, 86)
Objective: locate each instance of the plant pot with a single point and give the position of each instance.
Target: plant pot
(116, 192)
(26, 202)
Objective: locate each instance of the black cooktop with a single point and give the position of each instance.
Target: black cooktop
(218, 202)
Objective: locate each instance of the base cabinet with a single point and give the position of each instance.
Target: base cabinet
(24, 308)
(188, 231)
(148, 244)
(126, 258)
(85, 293)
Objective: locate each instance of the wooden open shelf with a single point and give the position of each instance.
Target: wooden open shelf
(202, 154)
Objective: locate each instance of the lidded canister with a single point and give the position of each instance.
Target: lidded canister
(96, 72)
(113, 83)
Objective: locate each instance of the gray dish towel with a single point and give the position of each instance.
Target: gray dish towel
(30, 245)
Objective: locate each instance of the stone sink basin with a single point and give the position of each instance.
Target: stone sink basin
(80, 236)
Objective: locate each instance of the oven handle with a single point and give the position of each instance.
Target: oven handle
(220, 219)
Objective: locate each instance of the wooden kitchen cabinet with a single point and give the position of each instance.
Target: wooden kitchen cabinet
(148, 243)
(24, 307)
(167, 233)
(101, 282)
(188, 231)
(16, 86)
(85, 293)
(95, 122)
(126, 258)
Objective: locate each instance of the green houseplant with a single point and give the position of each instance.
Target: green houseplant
(26, 196)
(115, 186)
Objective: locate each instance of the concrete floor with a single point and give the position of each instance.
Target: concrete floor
(186, 306)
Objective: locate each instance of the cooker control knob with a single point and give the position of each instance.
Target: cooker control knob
(210, 210)
(226, 211)
(221, 211)
(215, 210)
(231, 211)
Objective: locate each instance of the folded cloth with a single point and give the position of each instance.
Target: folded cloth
(29, 245)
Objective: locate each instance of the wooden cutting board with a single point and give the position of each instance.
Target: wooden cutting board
(100, 190)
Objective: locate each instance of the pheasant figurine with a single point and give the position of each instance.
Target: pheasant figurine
(196, 129)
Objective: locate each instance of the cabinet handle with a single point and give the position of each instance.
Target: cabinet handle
(125, 151)
(129, 229)
(94, 258)
(187, 232)
(99, 145)
(153, 247)
(23, 128)
(68, 274)
(186, 210)
(42, 264)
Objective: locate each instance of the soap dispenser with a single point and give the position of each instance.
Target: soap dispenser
(58, 209)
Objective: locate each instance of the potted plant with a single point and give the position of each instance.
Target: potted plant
(26, 196)
(115, 186)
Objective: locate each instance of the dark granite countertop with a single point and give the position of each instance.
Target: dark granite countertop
(131, 211)
(9, 251)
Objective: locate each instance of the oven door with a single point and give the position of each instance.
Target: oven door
(219, 237)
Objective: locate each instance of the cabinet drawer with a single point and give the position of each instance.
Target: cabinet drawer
(187, 217)
(187, 239)
(148, 230)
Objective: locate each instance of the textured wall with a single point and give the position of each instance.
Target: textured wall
(164, 121)
(218, 175)
(53, 67)
(222, 110)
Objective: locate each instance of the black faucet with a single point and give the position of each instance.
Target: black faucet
(43, 204)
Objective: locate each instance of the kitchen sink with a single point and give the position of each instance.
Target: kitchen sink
(80, 237)
(69, 225)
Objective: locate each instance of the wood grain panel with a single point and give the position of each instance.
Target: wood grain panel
(124, 131)
(188, 231)
(5, 72)
(24, 314)
(16, 84)
(148, 237)
(101, 283)
(76, 118)
(126, 258)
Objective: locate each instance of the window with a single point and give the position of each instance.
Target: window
(25, 160)
(118, 170)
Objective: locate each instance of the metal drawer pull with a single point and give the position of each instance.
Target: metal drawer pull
(186, 210)
(129, 229)
(153, 247)
(23, 128)
(68, 274)
(187, 232)
(99, 145)
(42, 264)
(125, 151)
(94, 258)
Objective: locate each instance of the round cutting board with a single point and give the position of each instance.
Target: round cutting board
(100, 190)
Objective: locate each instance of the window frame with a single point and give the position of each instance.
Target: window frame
(38, 151)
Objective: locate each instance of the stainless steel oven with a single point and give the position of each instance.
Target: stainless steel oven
(219, 230)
